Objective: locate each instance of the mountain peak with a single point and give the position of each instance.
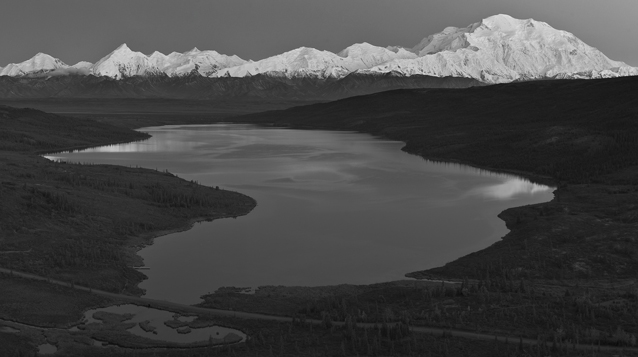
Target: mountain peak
(362, 45)
(499, 28)
(505, 23)
(501, 49)
(362, 49)
(123, 63)
(497, 49)
(157, 54)
(41, 62)
(500, 18)
(83, 64)
(41, 57)
(123, 48)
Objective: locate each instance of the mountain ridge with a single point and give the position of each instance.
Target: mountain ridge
(257, 87)
(497, 49)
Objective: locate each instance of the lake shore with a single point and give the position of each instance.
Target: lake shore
(587, 154)
(552, 277)
(82, 223)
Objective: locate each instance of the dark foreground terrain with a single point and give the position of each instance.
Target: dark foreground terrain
(81, 223)
(75, 222)
(567, 269)
(578, 135)
(139, 113)
(563, 278)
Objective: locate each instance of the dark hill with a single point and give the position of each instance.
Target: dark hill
(258, 87)
(582, 134)
(83, 223)
(30, 130)
(571, 130)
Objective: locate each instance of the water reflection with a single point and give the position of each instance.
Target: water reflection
(333, 207)
(512, 187)
(166, 145)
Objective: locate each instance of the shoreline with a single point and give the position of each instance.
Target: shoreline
(189, 309)
(543, 180)
(548, 181)
(139, 242)
(564, 197)
(559, 144)
(67, 192)
(136, 243)
(531, 177)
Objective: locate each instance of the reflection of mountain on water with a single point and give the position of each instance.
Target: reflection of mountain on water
(510, 188)
(143, 146)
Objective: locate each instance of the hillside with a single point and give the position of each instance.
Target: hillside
(259, 87)
(84, 223)
(579, 135)
(572, 130)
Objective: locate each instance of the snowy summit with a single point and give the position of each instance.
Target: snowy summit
(36, 64)
(501, 49)
(497, 49)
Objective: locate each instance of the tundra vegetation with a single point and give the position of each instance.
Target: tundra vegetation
(82, 223)
(565, 275)
(567, 270)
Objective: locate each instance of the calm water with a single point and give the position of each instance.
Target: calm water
(333, 207)
(47, 349)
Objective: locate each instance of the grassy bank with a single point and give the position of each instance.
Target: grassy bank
(581, 135)
(83, 223)
(565, 273)
(567, 269)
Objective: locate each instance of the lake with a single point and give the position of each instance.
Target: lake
(332, 208)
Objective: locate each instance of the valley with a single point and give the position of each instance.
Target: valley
(318, 178)
(563, 276)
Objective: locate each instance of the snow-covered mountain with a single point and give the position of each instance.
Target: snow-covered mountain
(83, 65)
(497, 49)
(501, 49)
(40, 63)
(123, 62)
(206, 63)
(300, 62)
(310, 62)
(365, 55)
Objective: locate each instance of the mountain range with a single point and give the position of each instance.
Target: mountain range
(498, 49)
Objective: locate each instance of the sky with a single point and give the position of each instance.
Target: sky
(87, 30)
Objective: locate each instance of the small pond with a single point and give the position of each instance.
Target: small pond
(164, 325)
(47, 349)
